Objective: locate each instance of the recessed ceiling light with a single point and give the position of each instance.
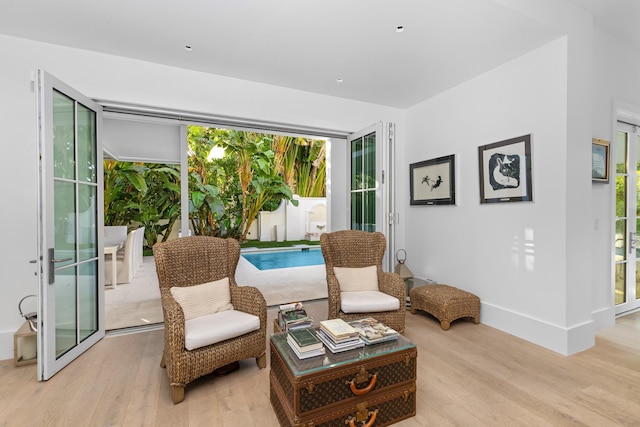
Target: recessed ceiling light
(339, 80)
(399, 28)
(188, 48)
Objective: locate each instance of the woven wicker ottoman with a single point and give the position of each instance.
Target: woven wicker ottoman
(446, 303)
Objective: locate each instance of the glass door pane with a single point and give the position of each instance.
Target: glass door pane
(65, 205)
(621, 218)
(363, 182)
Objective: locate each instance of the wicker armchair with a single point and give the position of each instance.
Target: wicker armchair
(357, 249)
(192, 261)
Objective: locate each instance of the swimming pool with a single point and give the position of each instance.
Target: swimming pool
(270, 260)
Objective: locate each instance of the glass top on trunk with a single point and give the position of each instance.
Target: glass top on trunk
(300, 367)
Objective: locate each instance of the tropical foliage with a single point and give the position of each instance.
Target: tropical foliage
(146, 194)
(256, 172)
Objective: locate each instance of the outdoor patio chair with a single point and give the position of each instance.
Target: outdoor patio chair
(356, 285)
(209, 321)
(123, 260)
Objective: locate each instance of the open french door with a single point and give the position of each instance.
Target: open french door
(70, 213)
(627, 249)
(372, 199)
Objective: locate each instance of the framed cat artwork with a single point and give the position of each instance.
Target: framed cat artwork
(505, 171)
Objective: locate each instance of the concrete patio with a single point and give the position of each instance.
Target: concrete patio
(138, 303)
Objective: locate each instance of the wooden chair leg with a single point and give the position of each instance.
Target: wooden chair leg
(262, 361)
(177, 393)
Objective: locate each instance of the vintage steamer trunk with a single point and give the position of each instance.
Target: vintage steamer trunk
(370, 386)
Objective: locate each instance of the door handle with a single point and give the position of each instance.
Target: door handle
(52, 267)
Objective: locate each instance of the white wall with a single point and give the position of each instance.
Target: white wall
(338, 184)
(512, 255)
(119, 79)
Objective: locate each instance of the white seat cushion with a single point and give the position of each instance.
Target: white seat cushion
(367, 302)
(217, 327)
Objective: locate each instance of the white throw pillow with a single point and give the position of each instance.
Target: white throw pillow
(357, 279)
(200, 300)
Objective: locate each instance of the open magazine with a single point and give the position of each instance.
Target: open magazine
(372, 331)
(293, 316)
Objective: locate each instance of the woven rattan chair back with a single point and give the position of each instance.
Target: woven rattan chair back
(195, 260)
(357, 249)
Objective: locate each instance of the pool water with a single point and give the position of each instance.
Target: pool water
(270, 260)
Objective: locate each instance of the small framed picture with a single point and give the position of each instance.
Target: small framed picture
(505, 171)
(433, 181)
(599, 160)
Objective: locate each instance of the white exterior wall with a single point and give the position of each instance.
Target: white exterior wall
(113, 78)
(289, 222)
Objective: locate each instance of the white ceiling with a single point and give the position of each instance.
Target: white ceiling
(299, 44)
(304, 44)
(616, 17)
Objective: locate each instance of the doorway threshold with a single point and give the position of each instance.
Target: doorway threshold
(134, 329)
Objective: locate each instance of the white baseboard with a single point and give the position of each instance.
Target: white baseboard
(561, 340)
(557, 338)
(604, 317)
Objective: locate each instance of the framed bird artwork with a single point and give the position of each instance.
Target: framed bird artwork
(433, 181)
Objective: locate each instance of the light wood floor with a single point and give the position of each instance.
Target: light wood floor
(471, 375)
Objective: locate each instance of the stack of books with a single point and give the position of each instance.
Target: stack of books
(305, 343)
(293, 316)
(372, 331)
(339, 336)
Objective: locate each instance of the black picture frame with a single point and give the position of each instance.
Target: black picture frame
(599, 160)
(505, 171)
(433, 182)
